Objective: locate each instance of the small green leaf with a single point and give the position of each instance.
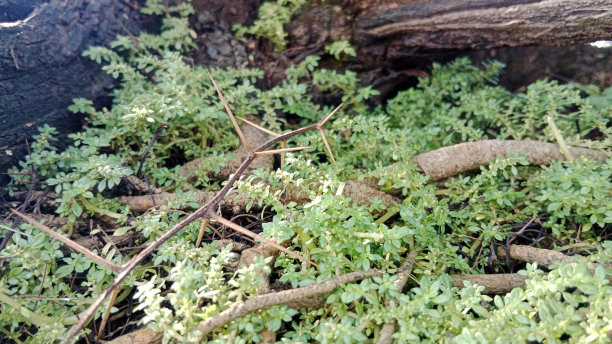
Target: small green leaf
(121, 231)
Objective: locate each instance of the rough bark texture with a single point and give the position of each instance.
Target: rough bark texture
(534, 255)
(281, 297)
(41, 68)
(449, 161)
(393, 63)
(478, 24)
(494, 284)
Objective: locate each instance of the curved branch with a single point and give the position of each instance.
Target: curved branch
(281, 297)
(452, 160)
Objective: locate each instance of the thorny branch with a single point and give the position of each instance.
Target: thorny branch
(206, 211)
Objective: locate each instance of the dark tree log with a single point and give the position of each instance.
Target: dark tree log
(396, 40)
(384, 30)
(482, 24)
(41, 68)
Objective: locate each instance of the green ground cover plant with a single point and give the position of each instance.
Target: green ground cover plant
(451, 227)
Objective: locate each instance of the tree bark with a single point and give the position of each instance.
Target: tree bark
(483, 24)
(398, 40)
(41, 68)
(384, 30)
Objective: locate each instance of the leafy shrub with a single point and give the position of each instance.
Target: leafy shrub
(270, 22)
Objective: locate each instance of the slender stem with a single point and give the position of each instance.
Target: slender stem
(72, 244)
(151, 142)
(201, 232)
(259, 127)
(247, 232)
(331, 155)
(563, 148)
(92, 207)
(267, 300)
(34, 318)
(283, 146)
(107, 313)
(387, 215)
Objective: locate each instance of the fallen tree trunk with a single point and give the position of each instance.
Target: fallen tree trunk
(383, 32)
(478, 24)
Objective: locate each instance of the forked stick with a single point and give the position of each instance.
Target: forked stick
(319, 126)
(205, 211)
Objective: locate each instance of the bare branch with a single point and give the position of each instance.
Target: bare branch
(201, 232)
(107, 313)
(105, 263)
(230, 114)
(283, 146)
(493, 283)
(324, 120)
(386, 332)
(534, 255)
(205, 210)
(281, 297)
(320, 127)
(452, 160)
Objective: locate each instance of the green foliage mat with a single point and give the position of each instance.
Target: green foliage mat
(454, 226)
